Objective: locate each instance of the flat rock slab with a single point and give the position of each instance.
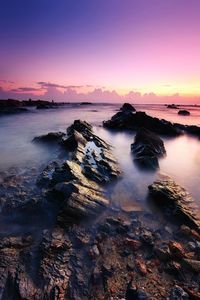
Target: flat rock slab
(176, 201)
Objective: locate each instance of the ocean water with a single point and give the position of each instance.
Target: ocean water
(182, 161)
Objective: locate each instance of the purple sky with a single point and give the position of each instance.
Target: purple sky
(100, 50)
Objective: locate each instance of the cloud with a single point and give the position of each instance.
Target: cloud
(25, 89)
(47, 85)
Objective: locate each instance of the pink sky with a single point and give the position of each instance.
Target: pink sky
(145, 51)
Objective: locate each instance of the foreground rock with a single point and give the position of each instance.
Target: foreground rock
(79, 181)
(175, 201)
(147, 148)
(184, 112)
(133, 121)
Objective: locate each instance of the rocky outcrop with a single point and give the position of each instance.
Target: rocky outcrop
(78, 181)
(147, 149)
(134, 121)
(175, 201)
(127, 107)
(184, 112)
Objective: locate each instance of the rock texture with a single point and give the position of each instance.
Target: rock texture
(79, 181)
(147, 148)
(133, 121)
(176, 201)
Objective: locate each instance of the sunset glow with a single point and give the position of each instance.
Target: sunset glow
(106, 50)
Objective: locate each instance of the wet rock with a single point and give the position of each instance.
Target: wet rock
(80, 201)
(174, 200)
(147, 148)
(184, 112)
(73, 140)
(177, 293)
(134, 121)
(176, 249)
(127, 107)
(51, 137)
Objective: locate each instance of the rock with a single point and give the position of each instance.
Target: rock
(176, 249)
(172, 106)
(133, 293)
(141, 266)
(51, 137)
(127, 107)
(147, 148)
(162, 252)
(80, 200)
(73, 140)
(134, 121)
(175, 201)
(177, 293)
(133, 244)
(184, 112)
(192, 264)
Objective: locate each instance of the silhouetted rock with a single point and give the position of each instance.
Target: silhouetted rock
(134, 121)
(51, 137)
(127, 107)
(184, 112)
(175, 201)
(172, 106)
(86, 103)
(11, 106)
(147, 148)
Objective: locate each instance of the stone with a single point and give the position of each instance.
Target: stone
(177, 293)
(134, 121)
(127, 107)
(51, 137)
(184, 112)
(176, 249)
(147, 148)
(175, 201)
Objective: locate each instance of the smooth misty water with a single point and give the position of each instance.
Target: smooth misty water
(183, 153)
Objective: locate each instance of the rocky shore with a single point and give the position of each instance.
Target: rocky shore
(71, 240)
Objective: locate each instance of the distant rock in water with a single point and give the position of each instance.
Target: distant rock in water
(147, 148)
(134, 121)
(86, 103)
(172, 106)
(51, 137)
(10, 106)
(127, 107)
(184, 112)
(175, 201)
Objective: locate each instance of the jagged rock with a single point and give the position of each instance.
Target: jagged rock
(51, 137)
(127, 107)
(134, 121)
(176, 201)
(147, 148)
(80, 201)
(184, 112)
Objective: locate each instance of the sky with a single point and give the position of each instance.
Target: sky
(100, 50)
